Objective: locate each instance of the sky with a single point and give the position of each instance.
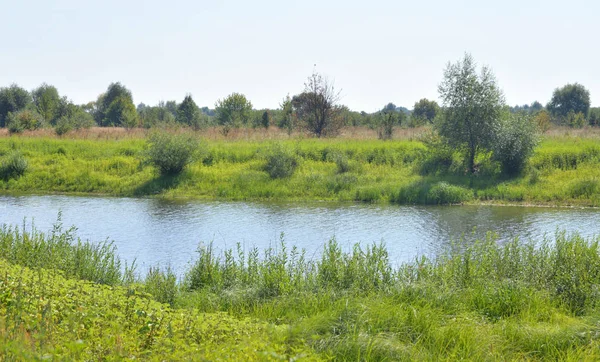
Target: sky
(374, 51)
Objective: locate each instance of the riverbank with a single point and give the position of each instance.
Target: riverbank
(481, 301)
(564, 171)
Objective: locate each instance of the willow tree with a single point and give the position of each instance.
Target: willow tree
(472, 103)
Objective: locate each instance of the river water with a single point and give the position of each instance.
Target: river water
(158, 232)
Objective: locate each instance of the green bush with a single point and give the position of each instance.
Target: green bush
(24, 120)
(281, 163)
(169, 153)
(444, 193)
(515, 142)
(63, 125)
(14, 165)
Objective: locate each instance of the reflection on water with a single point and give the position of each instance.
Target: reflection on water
(168, 232)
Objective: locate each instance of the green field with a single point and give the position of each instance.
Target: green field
(480, 302)
(564, 170)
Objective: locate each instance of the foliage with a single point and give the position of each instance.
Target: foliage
(24, 120)
(515, 142)
(316, 107)
(121, 112)
(233, 111)
(575, 120)
(287, 115)
(13, 165)
(169, 153)
(62, 250)
(46, 315)
(153, 116)
(425, 110)
(573, 98)
(472, 106)
(188, 113)
(47, 102)
(233, 170)
(594, 117)
(543, 120)
(280, 162)
(12, 100)
(388, 117)
(115, 107)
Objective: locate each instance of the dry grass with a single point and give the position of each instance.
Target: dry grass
(216, 134)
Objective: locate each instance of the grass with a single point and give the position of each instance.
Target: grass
(564, 170)
(480, 301)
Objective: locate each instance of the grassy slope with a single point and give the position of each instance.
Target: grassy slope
(44, 315)
(481, 302)
(564, 170)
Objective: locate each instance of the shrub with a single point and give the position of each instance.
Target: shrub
(13, 166)
(514, 143)
(169, 153)
(439, 156)
(444, 193)
(24, 120)
(63, 125)
(281, 163)
(576, 120)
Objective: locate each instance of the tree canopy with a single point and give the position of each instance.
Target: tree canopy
(425, 110)
(12, 99)
(233, 111)
(115, 106)
(472, 105)
(47, 102)
(317, 106)
(571, 98)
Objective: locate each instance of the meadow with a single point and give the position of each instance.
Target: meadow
(355, 167)
(481, 301)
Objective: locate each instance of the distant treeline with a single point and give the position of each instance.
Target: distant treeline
(316, 110)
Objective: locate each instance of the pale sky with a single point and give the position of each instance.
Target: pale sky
(376, 51)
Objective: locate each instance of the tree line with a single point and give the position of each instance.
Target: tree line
(316, 109)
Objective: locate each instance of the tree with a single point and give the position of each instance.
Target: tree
(12, 99)
(47, 102)
(265, 119)
(121, 112)
(425, 110)
(233, 111)
(472, 107)
(515, 141)
(570, 98)
(109, 114)
(287, 115)
(388, 117)
(317, 107)
(188, 112)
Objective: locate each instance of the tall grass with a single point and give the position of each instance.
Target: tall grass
(563, 171)
(480, 300)
(62, 250)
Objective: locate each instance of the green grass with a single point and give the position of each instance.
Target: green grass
(563, 171)
(480, 301)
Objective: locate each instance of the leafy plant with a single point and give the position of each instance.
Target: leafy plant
(170, 153)
(14, 165)
(281, 163)
(515, 142)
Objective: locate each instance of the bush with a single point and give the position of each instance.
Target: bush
(444, 193)
(24, 120)
(13, 166)
(515, 142)
(169, 153)
(281, 163)
(439, 157)
(63, 125)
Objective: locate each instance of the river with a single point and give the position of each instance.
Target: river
(159, 232)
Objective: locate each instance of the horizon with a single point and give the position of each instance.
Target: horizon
(267, 50)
